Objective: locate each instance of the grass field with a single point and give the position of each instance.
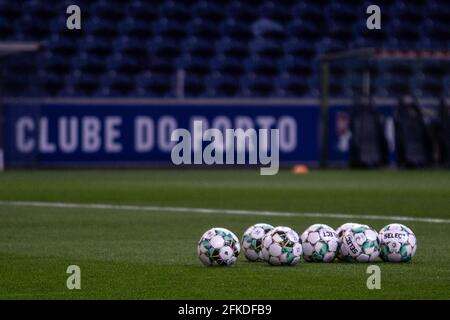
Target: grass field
(132, 254)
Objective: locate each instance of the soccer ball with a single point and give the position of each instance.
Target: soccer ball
(281, 246)
(360, 244)
(218, 246)
(252, 241)
(397, 242)
(340, 232)
(319, 243)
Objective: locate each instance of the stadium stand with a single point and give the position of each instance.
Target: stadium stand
(226, 48)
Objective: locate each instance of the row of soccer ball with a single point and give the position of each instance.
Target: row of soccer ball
(350, 242)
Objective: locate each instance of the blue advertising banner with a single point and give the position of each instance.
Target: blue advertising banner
(83, 134)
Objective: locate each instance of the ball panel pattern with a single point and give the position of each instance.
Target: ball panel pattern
(281, 246)
(218, 246)
(319, 243)
(252, 241)
(398, 243)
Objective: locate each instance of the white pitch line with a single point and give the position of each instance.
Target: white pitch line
(102, 206)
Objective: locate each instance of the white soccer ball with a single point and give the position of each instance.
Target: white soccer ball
(252, 241)
(397, 242)
(340, 233)
(360, 244)
(319, 243)
(218, 246)
(281, 246)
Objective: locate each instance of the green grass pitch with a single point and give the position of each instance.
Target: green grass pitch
(126, 254)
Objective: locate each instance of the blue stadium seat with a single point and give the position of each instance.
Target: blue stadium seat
(56, 64)
(256, 86)
(242, 11)
(170, 29)
(163, 66)
(164, 48)
(199, 47)
(155, 85)
(195, 65)
(228, 66)
(222, 86)
(204, 29)
(87, 84)
(96, 46)
(138, 29)
(40, 9)
(124, 65)
(7, 30)
(133, 48)
(305, 30)
(10, 8)
(300, 49)
(106, 11)
(297, 66)
(210, 11)
(309, 11)
(101, 29)
(232, 48)
(194, 85)
(288, 85)
(261, 67)
(51, 83)
(175, 11)
(117, 85)
(266, 48)
(266, 44)
(237, 30)
(140, 10)
(32, 31)
(90, 64)
(276, 11)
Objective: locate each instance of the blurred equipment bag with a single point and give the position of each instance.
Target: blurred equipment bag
(368, 143)
(413, 143)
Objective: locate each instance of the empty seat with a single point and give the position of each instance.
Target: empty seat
(237, 30)
(140, 10)
(223, 86)
(124, 65)
(133, 28)
(232, 48)
(155, 85)
(163, 66)
(90, 64)
(56, 64)
(175, 11)
(102, 28)
(98, 47)
(276, 11)
(133, 48)
(261, 67)
(194, 85)
(242, 11)
(256, 86)
(115, 85)
(266, 48)
(291, 85)
(105, 10)
(210, 11)
(164, 48)
(199, 47)
(170, 29)
(195, 65)
(228, 66)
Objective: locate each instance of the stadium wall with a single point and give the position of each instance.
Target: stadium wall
(52, 133)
